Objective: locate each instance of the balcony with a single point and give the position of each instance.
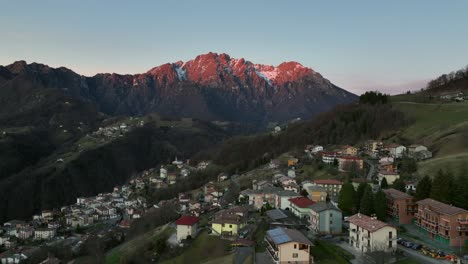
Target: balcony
(273, 254)
(463, 220)
(445, 227)
(462, 228)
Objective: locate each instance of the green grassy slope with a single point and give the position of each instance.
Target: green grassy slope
(441, 127)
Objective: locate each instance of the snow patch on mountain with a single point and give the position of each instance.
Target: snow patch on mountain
(181, 73)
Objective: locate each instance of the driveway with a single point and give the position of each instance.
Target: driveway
(263, 258)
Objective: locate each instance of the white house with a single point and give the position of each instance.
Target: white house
(390, 176)
(367, 234)
(187, 226)
(44, 233)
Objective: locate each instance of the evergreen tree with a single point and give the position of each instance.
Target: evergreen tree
(384, 184)
(442, 187)
(460, 196)
(346, 199)
(380, 205)
(367, 201)
(359, 193)
(423, 190)
(399, 184)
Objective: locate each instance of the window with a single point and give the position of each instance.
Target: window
(331, 222)
(390, 244)
(295, 255)
(230, 226)
(295, 246)
(331, 214)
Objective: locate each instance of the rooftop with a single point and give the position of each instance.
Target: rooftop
(301, 202)
(328, 181)
(441, 207)
(396, 194)
(187, 220)
(282, 235)
(322, 206)
(366, 222)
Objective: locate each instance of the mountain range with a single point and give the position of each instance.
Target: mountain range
(210, 87)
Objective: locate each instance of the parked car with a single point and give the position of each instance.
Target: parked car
(400, 240)
(327, 237)
(416, 247)
(407, 244)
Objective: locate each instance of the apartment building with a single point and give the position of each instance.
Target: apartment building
(288, 246)
(400, 205)
(443, 222)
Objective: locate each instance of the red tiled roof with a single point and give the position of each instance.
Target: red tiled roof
(350, 158)
(302, 202)
(329, 153)
(440, 207)
(187, 220)
(328, 181)
(366, 222)
(396, 194)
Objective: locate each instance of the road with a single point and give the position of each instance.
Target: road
(419, 256)
(371, 169)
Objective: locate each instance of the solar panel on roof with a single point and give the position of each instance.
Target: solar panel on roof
(281, 239)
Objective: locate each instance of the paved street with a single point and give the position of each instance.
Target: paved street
(419, 256)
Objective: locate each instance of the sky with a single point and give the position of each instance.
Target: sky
(390, 46)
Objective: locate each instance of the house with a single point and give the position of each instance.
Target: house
(259, 198)
(390, 176)
(11, 257)
(261, 185)
(274, 164)
(316, 193)
(203, 165)
(325, 218)
(9, 244)
(291, 187)
(292, 162)
(282, 199)
(372, 146)
(332, 186)
(172, 177)
(44, 233)
(347, 163)
(367, 234)
(229, 222)
(419, 152)
(24, 232)
(401, 206)
(349, 150)
(223, 176)
(288, 246)
(313, 149)
(163, 172)
(442, 222)
(329, 157)
(387, 166)
(187, 226)
(395, 150)
(300, 206)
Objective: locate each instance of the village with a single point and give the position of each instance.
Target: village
(280, 218)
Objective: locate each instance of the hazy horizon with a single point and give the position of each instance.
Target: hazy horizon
(391, 47)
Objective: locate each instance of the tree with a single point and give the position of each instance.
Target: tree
(367, 202)
(423, 190)
(359, 193)
(460, 196)
(380, 205)
(346, 199)
(399, 184)
(442, 187)
(383, 183)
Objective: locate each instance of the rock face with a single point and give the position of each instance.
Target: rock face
(210, 87)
